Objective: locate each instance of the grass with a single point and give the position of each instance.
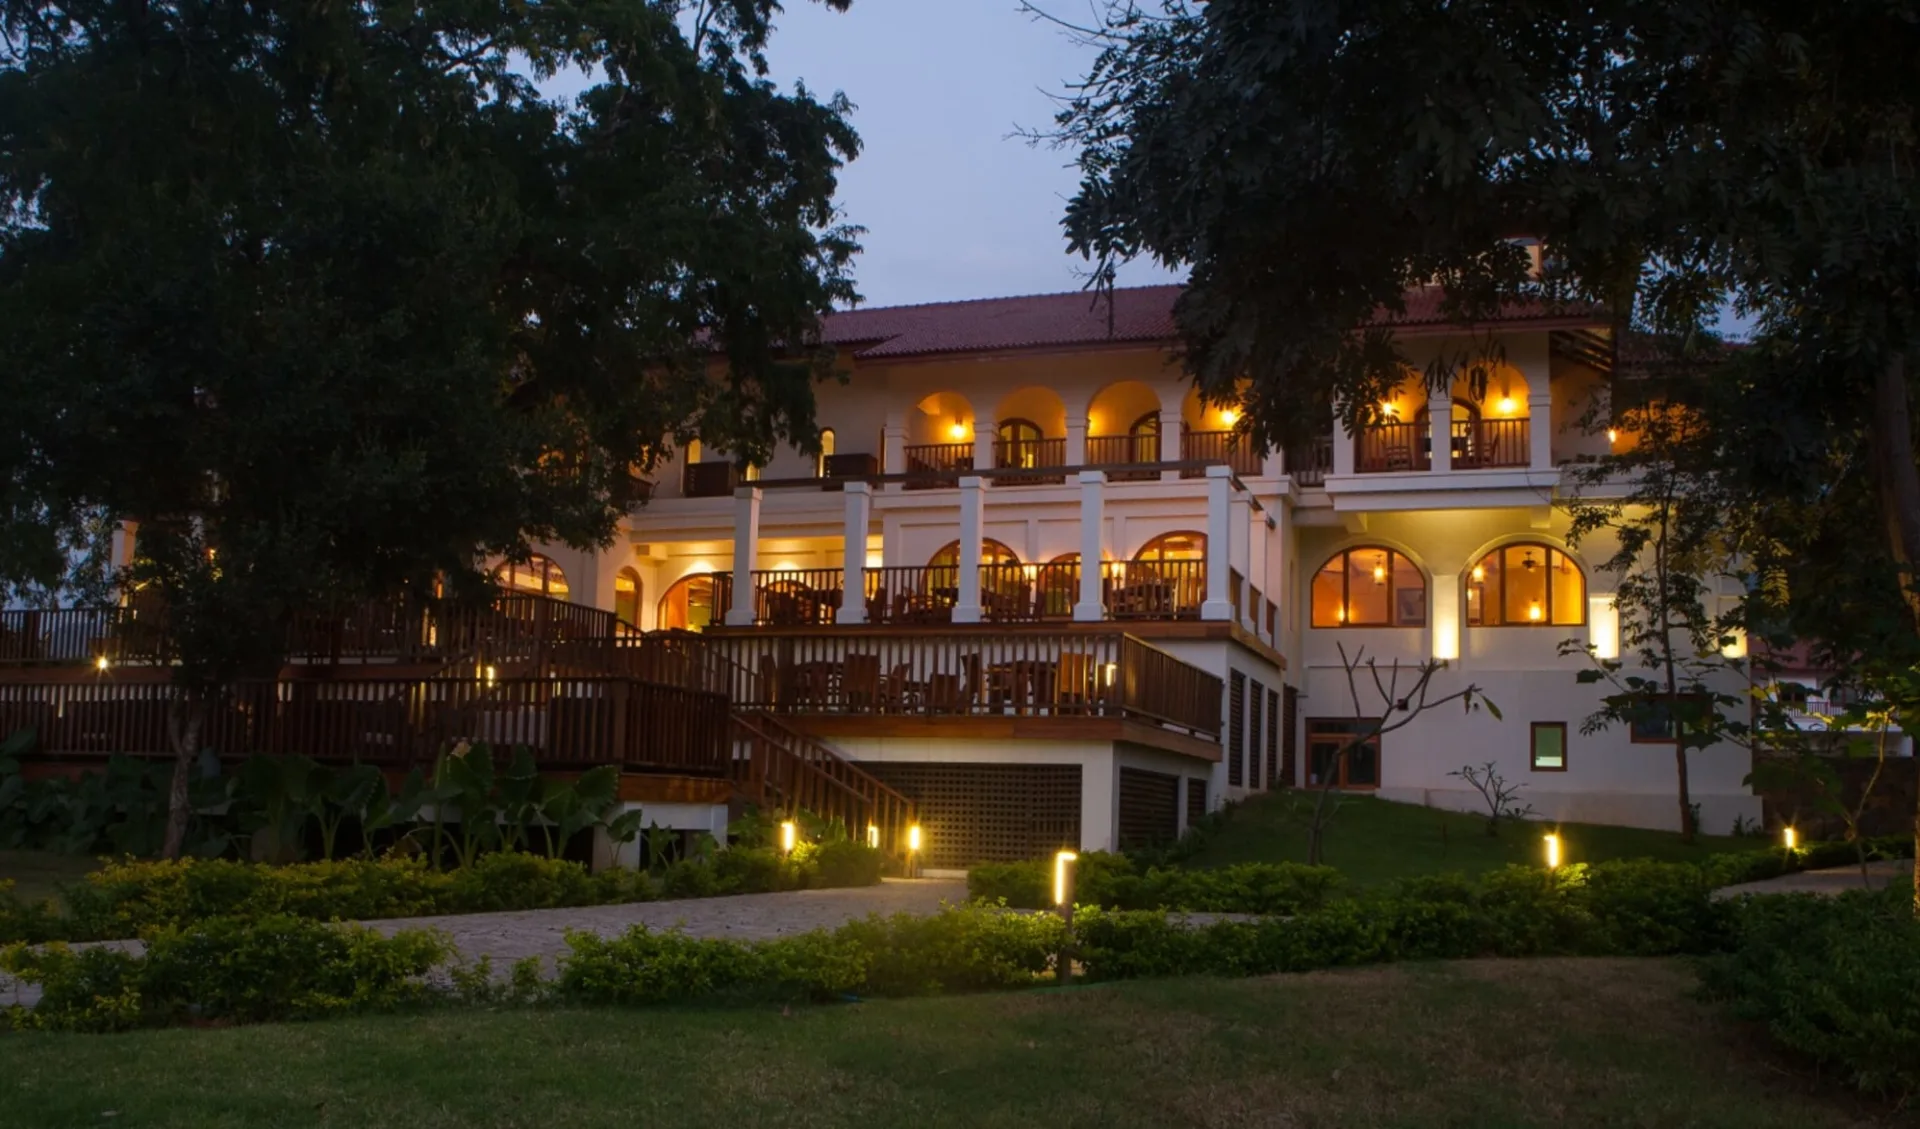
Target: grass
(1480, 1044)
(40, 874)
(1375, 841)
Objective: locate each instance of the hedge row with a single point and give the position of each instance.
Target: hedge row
(128, 899)
(1113, 881)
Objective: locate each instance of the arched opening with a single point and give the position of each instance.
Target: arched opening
(1167, 577)
(1185, 545)
(1057, 586)
(1003, 583)
(626, 597)
(687, 604)
(1123, 427)
(1526, 585)
(537, 576)
(940, 440)
(1369, 586)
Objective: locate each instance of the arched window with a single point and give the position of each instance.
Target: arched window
(1526, 585)
(1000, 574)
(693, 450)
(626, 597)
(1182, 546)
(991, 553)
(537, 575)
(688, 603)
(1059, 585)
(1369, 587)
(1018, 443)
(826, 453)
(1145, 436)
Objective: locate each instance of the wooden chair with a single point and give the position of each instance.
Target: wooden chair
(860, 683)
(1074, 681)
(899, 692)
(877, 606)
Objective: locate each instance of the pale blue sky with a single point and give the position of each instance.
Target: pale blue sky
(954, 204)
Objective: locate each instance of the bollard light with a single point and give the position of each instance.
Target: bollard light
(100, 664)
(873, 836)
(1790, 838)
(1553, 852)
(788, 835)
(913, 837)
(1063, 877)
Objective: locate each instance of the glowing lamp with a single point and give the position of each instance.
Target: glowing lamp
(1229, 416)
(1534, 612)
(1790, 838)
(913, 837)
(1387, 408)
(490, 674)
(1553, 852)
(1613, 435)
(873, 836)
(1340, 614)
(1111, 670)
(1062, 871)
(1380, 573)
(1479, 573)
(100, 664)
(957, 430)
(1505, 406)
(789, 836)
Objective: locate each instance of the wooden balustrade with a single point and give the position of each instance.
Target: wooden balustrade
(1029, 454)
(1236, 587)
(59, 635)
(1153, 589)
(948, 459)
(1487, 443)
(1123, 450)
(709, 480)
(1310, 463)
(912, 594)
(1017, 593)
(781, 769)
(1392, 446)
(790, 597)
(395, 722)
(1229, 447)
(969, 674)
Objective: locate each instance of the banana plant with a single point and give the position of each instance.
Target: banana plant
(343, 794)
(384, 810)
(520, 800)
(282, 792)
(465, 779)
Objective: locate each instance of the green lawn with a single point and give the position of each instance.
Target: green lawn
(1374, 841)
(40, 874)
(1476, 1044)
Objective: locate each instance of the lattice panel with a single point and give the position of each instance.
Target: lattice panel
(1259, 703)
(1290, 740)
(1149, 808)
(1274, 721)
(975, 813)
(1236, 729)
(1196, 800)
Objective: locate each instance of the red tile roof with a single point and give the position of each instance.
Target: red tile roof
(1141, 314)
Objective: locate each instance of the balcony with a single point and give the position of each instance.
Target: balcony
(1030, 454)
(1480, 444)
(1120, 451)
(1309, 463)
(1229, 447)
(947, 459)
(709, 480)
(836, 469)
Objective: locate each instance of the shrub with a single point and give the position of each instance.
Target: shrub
(845, 863)
(1110, 880)
(1834, 979)
(21, 920)
(513, 880)
(1022, 885)
(968, 948)
(248, 971)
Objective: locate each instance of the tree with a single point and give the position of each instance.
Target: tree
(1312, 161)
(332, 301)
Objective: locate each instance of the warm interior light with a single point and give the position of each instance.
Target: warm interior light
(100, 663)
(1387, 408)
(491, 675)
(913, 837)
(1527, 562)
(1553, 852)
(786, 566)
(1479, 573)
(1032, 571)
(957, 430)
(1790, 838)
(789, 835)
(1112, 670)
(1229, 416)
(1534, 612)
(873, 836)
(1380, 571)
(1340, 614)
(875, 560)
(1505, 406)
(1613, 436)
(1060, 863)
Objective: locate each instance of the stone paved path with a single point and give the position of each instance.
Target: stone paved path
(509, 937)
(1828, 882)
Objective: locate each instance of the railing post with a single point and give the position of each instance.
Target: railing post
(1219, 543)
(1343, 444)
(746, 547)
(1076, 445)
(1440, 428)
(1171, 431)
(853, 569)
(1540, 428)
(893, 449)
(1091, 607)
(966, 607)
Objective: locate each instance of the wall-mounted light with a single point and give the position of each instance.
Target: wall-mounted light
(1387, 409)
(1613, 435)
(1111, 671)
(1553, 852)
(1506, 406)
(1479, 574)
(957, 431)
(1535, 612)
(1229, 416)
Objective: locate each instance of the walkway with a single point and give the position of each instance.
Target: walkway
(1828, 882)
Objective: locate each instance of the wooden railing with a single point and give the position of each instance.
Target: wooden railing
(1016, 593)
(1153, 589)
(781, 769)
(709, 480)
(1391, 447)
(390, 722)
(949, 459)
(785, 597)
(1486, 443)
(1310, 463)
(972, 674)
(1123, 450)
(1236, 588)
(1229, 447)
(912, 594)
(1029, 454)
(59, 635)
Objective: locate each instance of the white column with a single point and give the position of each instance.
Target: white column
(1342, 447)
(1093, 520)
(1257, 573)
(1170, 446)
(1219, 542)
(1440, 427)
(1443, 612)
(1076, 437)
(853, 586)
(1240, 526)
(746, 551)
(982, 447)
(1277, 570)
(972, 530)
(1540, 428)
(893, 450)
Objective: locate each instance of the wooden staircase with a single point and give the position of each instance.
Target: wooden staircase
(779, 768)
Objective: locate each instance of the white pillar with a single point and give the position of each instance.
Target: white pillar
(1540, 428)
(1257, 573)
(893, 449)
(1170, 445)
(1440, 427)
(1443, 614)
(1342, 447)
(972, 530)
(982, 447)
(1219, 542)
(1240, 526)
(853, 570)
(1093, 519)
(1076, 437)
(746, 551)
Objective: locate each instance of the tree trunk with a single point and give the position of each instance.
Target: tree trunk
(186, 744)
(1687, 829)
(1898, 482)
